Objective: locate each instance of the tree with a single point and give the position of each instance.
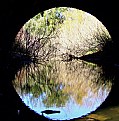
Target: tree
(35, 36)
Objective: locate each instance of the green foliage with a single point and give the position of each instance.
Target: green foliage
(36, 35)
(39, 82)
(56, 98)
(46, 25)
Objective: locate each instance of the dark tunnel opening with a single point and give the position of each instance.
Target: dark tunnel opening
(13, 16)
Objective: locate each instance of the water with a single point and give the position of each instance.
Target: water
(62, 90)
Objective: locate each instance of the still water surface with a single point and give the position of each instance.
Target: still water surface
(62, 90)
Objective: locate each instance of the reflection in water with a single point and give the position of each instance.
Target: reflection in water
(65, 90)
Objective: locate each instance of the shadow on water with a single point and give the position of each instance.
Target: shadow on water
(109, 109)
(110, 65)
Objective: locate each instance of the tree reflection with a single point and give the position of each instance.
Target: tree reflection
(38, 79)
(55, 83)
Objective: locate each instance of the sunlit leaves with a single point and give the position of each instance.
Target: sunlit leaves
(62, 31)
(46, 24)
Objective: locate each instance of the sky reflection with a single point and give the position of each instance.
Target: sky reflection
(75, 89)
(70, 110)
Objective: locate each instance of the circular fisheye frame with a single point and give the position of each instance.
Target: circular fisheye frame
(57, 84)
